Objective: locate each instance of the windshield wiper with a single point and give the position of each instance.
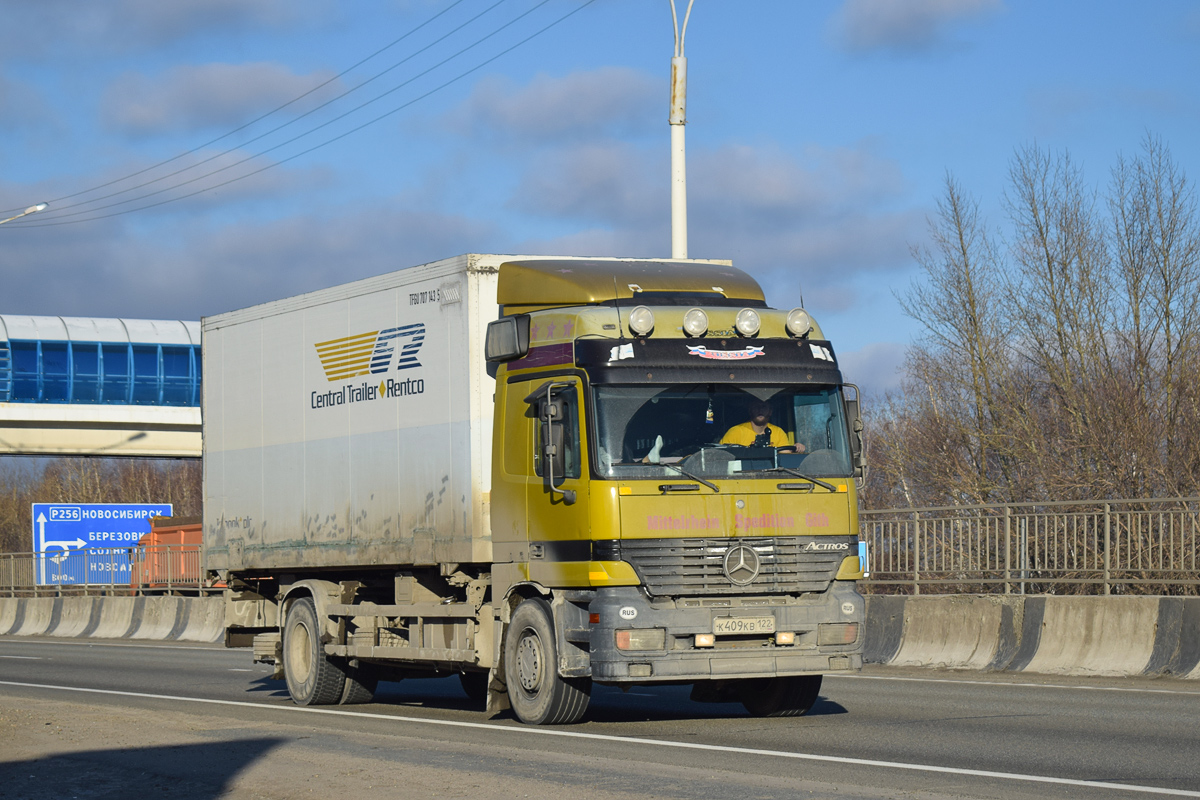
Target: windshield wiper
(696, 478)
(798, 474)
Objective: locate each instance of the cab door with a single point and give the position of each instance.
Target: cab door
(557, 502)
(512, 474)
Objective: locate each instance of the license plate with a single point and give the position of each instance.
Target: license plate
(727, 625)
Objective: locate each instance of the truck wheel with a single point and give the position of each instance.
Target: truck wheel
(780, 697)
(312, 679)
(537, 694)
(361, 682)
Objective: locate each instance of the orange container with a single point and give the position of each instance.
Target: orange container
(169, 555)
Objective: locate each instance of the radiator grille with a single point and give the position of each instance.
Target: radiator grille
(695, 567)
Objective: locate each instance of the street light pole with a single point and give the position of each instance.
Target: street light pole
(30, 210)
(678, 119)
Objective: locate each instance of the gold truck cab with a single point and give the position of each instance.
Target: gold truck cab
(642, 531)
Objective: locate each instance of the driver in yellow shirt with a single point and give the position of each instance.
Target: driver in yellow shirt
(759, 432)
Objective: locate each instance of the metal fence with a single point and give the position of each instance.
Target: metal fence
(157, 569)
(1114, 547)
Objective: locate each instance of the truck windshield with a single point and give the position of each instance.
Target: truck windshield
(717, 431)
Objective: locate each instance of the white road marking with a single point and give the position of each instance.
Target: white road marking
(1014, 683)
(532, 731)
(26, 658)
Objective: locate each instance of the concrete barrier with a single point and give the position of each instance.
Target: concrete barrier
(160, 618)
(1032, 633)
(40, 615)
(205, 621)
(115, 619)
(8, 615)
(1177, 646)
(156, 618)
(73, 617)
(1096, 636)
(952, 631)
(884, 628)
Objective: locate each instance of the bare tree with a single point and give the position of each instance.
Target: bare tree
(1061, 366)
(949, 407)
(1155, 235)
(91, 480)
(1060, 292)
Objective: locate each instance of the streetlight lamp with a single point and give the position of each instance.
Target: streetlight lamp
(30, 210)
(678, 119)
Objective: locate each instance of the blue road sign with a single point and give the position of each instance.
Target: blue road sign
(89, 542)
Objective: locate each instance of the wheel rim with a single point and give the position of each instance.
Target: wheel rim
(530, 661)
(299, 655)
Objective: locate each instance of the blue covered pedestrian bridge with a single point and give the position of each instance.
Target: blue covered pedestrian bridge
(93, 386)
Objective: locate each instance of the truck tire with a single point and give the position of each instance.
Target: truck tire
(361, 683)
(537, 694)
(312, 678)
(780, 697)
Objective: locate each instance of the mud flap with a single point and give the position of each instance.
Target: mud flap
(497, 696)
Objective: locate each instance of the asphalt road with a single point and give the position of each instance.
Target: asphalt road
(105, 719)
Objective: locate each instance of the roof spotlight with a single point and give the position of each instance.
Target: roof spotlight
(799, 323)
(747, 322)
(695, 322)
(641, 320)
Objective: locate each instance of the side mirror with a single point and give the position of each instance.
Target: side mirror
(552, 451)
(507, 338)
(856, 433)
(550, 411)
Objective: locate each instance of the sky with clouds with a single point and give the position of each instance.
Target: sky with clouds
(205, 155)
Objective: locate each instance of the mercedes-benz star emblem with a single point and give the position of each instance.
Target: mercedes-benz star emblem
(741, 564)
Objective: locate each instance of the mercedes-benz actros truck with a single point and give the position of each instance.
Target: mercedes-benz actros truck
(538, 473)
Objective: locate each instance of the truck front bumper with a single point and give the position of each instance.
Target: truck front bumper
(626, 614)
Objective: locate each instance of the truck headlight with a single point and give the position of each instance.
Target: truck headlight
(799, 323)
(747, 322)
(695, 322)
(641, 320)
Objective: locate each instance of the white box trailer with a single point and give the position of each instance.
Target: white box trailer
(325, 445)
